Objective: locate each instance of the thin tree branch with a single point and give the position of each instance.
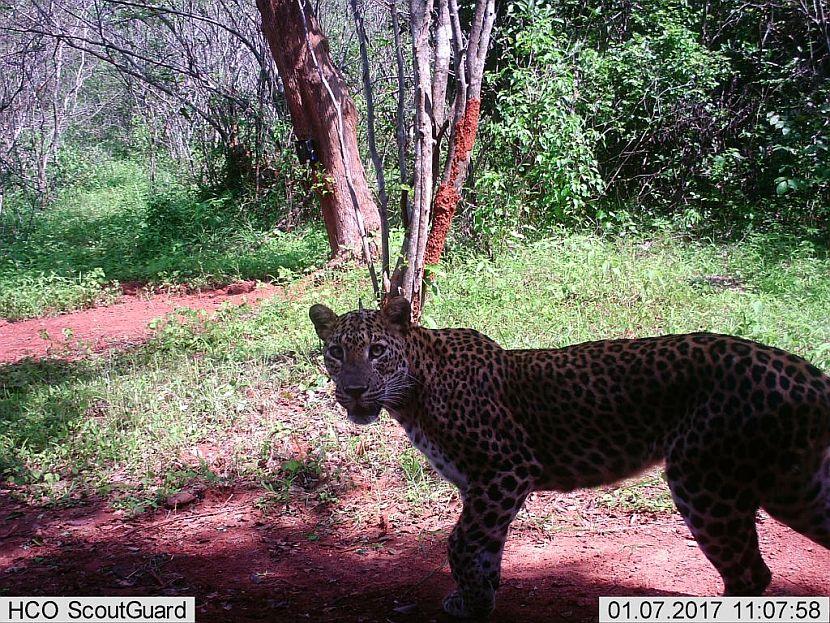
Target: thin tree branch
(373, 149)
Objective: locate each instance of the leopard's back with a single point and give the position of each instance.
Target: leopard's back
(740, 425)
(600, 411)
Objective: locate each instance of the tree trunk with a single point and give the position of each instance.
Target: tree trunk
(434, 208)
(415, 239)
(469, 73)
(315, 116)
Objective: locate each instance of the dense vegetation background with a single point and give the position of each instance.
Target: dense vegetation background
(710, 116)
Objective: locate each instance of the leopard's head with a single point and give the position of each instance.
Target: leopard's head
(365, 355)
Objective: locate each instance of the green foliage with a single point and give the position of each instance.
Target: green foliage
(553, 173)
(35, 294)
(642, 96)
(92, 168)
(799, 143)
(177, 216)
(608, 113)
(112, 227)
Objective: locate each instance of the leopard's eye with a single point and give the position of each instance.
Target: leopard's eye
(335, 351)
(376, 350)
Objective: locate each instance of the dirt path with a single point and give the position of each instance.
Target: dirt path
(122, 324)
(245, 565)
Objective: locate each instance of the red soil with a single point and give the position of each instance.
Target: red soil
(243, 565)
(121, 324)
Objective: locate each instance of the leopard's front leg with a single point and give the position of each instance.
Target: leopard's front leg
(477, 542)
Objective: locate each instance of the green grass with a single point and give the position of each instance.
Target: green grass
(116, 230)
(243, 395)
(31, 293)
(647, 494)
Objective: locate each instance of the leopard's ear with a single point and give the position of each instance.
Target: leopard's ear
(324, 320)
(397, 312)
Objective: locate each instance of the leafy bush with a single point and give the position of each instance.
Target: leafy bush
(798, 139)
(650, 98)
(179, 215)
(604, 111)
(553, 172)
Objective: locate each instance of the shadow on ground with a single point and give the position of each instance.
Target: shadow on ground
(245, 561)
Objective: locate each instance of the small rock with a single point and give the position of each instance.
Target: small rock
(183, 498)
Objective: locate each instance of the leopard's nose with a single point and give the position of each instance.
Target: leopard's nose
(355, 390)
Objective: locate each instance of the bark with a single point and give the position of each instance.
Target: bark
(433, 208)
(315, 116)
(469, 71)
(373, 149)
(443, 34)
(400, 121)
(416, 234)
(449, 190)
(469, 68)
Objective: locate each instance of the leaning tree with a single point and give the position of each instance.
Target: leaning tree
(325, 121)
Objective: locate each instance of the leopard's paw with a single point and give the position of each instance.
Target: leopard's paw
(456, 605)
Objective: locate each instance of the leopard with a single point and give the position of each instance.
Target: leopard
(738, 426)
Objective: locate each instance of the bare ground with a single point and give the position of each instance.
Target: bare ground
(244, 563)
(124, 323)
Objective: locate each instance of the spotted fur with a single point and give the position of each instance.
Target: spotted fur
(739, 425)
